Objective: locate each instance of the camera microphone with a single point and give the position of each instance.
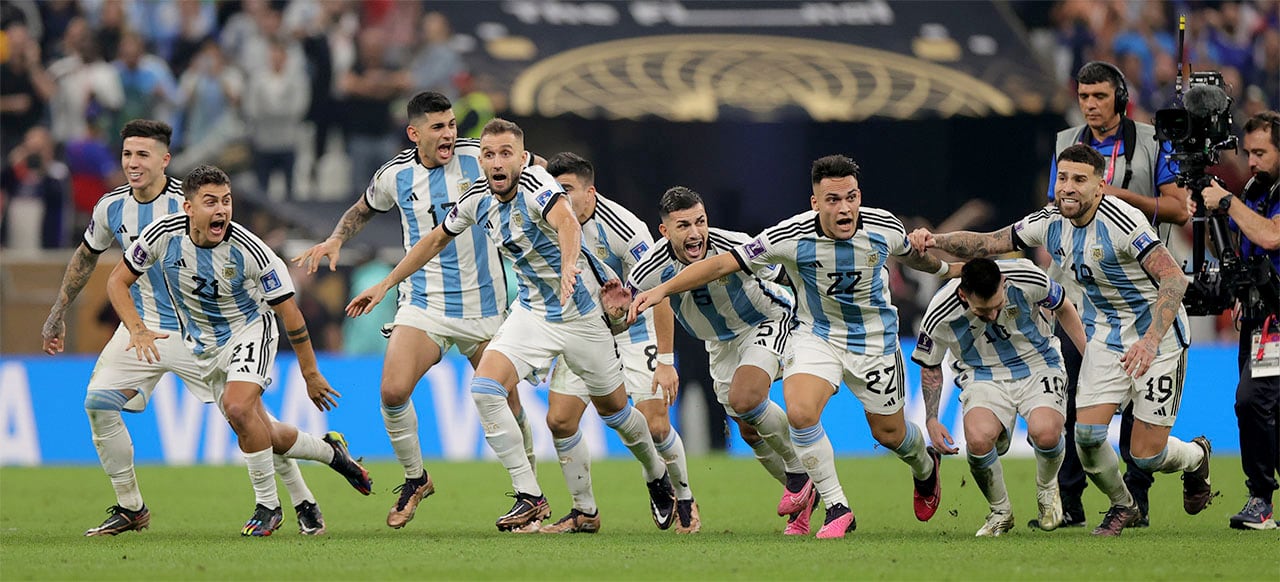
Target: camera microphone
(1206, 100)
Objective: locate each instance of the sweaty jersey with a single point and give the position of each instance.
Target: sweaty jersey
(1019, 342)
(1105, 259)
(520, 229)
(119, 217)
(722, 309)
(619, 239)
(218, 290)
(842, 286)
(466, 279)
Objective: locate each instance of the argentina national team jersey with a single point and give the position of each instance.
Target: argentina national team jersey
(842, 286)
(218, 290)
(119, 217)
(722, 309)
(619, 239)
(519, 228)
(466, 280)
(1018, 344)
(1105, 259)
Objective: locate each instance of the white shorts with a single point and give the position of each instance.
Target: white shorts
(877, 381)
(638, 364)
(764, 347)
(117, 369)
(1156, 395)
(531, 342)
(1008, 399)
(247, 357)
(446, 332)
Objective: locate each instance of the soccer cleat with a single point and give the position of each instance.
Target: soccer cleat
(1072, 512)
(998, 524)
(687, 519)
(412, 492)
(840, 521)
(263, 522)
(1255, 515)
(347, 466)
(928, 493)
(1116, 519)
(798, 522)
(575, 522)
(793, 501)
(662, 501)
(122, 520)
(526, 510)
(1050, 503)
(1196, 493)
(310, 520)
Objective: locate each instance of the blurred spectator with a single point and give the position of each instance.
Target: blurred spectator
(1266, 76)
(56, 16)
(436, 63)
(36, 185)
(197, 22)
(369, 88)
(25, 87)
(95, 169)
(86, 85)
(110, 24)
(150, 91)
(209, 100)
(274, 106)
(473, 109)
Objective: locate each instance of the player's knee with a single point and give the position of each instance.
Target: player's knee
(743, 403)
(395, 393)
(659, 428)
(803, 416)
(562, 425)
(889, 435)
(1045, 437)
(978, 444)
(239, 414)
(1091, 435)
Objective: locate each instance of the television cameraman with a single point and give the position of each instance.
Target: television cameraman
(1255, 218)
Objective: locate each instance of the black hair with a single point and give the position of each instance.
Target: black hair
(980, 277)
(499, 125)
(835, 166)
(203, 175)
(427, 102)
(1269, 120)
(571, 163)
(1084, 154)
(148, 128)
(675, 199)
(1099, 72)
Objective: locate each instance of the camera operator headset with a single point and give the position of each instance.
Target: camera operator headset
(1255, 217)
(1139, 173)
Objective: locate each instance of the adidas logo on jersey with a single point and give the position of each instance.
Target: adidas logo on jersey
(122, 230)
(1059, 253)
(243, 370)
(413, 196)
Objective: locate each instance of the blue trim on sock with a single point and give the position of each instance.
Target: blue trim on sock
(984, 461)
(807, 436)
(1053, 452)
(567, 443)
(616, 419)
(753, 415)
(113, 400)
(909, 443)
(487, 386)
(394, 410)
(667, 443)
(1091, 434)
(1152, 464)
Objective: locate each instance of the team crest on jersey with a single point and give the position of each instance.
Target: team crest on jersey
(517, 219)
(464, 185)
(1012, 311)
(602, 252)
(873, 258)
(1097, 253)
(229, 271)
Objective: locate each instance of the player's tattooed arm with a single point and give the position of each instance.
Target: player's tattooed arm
(924, 263)
(972, 245)
(352, 221)
(931, 386)
(1161, 266)
(79, 269)
(299, 335)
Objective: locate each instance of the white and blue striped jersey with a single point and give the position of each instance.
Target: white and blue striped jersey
(520, 229)
(722, 309)
(1018, 344)
(466, 280)
(1105, 259)
(842, 286)
(218, 290)
(619, 239)
(119, 217)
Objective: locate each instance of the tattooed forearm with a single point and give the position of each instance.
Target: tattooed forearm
(973, 245)
(1173, 284)
(353, 220)
(77, 275)
(298, 336)
(931, 386)
(923, 263)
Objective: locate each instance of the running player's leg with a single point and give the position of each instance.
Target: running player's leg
(879, 382)
(1044, 429)
(513, 400)
(637, 370)
(1154, 450)
(768, 458)
(807, 395)
(241, 403)
(748, 397)
(495, 378)
(1103, 386)
(410, 353)
(982, 428)
(564, 417)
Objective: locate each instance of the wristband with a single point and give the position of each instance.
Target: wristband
(942, 270)
(667, 359)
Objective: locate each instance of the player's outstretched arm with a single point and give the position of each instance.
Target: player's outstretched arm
(921, 261)
(569, 232)
(79, 269)
(139, 336)
(351, 223)
(420, 254)
(1070, 321)
(295, 328)
(931, 387)
(1161, 267)
(964, 244)
(695, 275)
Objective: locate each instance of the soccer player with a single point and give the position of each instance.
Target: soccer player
(227, 289)
(1134, 321)
(618, 239)
(836, 256)
(457, 299)
(119, 381)
(745, 320)
(1008, 363)
(559, 313)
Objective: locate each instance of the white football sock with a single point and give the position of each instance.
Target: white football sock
(672, 451)
(115, 452)
(814, 449)
(263, 475)
(575, 463)
(402, 426)
(502, 432)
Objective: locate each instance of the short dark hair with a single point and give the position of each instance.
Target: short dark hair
(1098, 72)
(835, 166)
(203, 175)
(499, 125)
(1083, 154)
(677, 198)
(427, 102)
(980, 277)
(148, 128)
(571, 163)
(1268, 120)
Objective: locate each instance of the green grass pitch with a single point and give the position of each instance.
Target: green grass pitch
(197, 513)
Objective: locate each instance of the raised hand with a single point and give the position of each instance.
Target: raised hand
(366, 301)
(331, 248)
(921, 240)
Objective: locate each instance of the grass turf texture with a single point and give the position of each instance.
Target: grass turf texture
(197, 513)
